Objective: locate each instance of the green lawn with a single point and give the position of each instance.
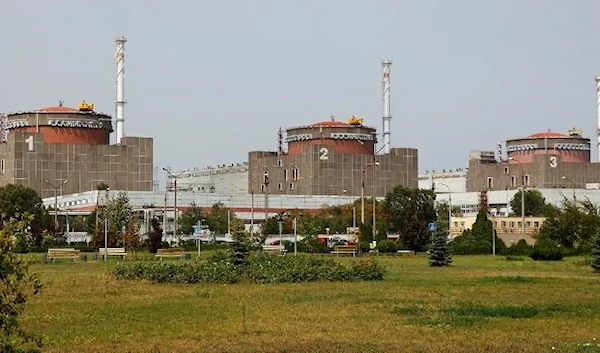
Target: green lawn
(479, 304)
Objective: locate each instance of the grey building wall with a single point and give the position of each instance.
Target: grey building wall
(309, 173)
(128, 166)
(544, 171)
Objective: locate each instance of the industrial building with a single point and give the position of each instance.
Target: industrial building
(64, 150)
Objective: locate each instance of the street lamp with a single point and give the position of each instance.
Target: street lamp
(353, 209)
(375, 164)
(564, 177)
(175, 233)
(56, 187)
(449, 209)
(522, 195)
(229, 216)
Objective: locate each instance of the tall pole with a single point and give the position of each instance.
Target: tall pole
(55, 187)
(175, 233)
(564, 177)
(374, 230)
(252, 215)
(105, 237)
(229, 216)
(362, 197)
(522, 194)
(295, 235)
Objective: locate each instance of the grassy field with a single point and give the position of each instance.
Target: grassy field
(479, 304)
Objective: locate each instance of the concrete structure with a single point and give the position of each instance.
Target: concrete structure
(62, 143)
(507, 228)
(387, 115)
(120, 101)
(231, 179)
(329, 157)
(456, 180)
(542, 160)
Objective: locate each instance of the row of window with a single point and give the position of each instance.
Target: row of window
(503, 224)
(513, 181)
(279, 187)
(1, 166)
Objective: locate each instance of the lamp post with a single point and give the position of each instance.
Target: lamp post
(375, 164)
(229, 216)
(449, 209)
(353, 209)
(56, 187)
(564, 177)
(106, 225)
(175, 233)
(522, 195)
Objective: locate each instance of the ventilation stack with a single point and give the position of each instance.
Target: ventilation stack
(387, 117)
(120, 101)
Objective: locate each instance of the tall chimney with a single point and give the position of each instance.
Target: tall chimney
(598, 115)
(120, 102)
(387, 117)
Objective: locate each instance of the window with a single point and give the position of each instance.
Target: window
(528, 224)
(536, 224)
(279, 186)
(513, 181)
(291, 186)
(285, 174)
(2, 166)
(295, 174)
(506, 170)
(279, 162)
(262, 188)
(490, 183)
(526, 179)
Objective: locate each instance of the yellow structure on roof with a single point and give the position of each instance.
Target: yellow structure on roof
(355, 121)
(85, 107)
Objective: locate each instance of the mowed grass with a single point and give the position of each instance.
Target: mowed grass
(479, 304)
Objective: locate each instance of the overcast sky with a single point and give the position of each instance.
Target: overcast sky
(212, 80)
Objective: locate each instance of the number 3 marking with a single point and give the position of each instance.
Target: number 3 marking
(553, 162)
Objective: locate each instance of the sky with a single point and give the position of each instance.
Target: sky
(212, 80)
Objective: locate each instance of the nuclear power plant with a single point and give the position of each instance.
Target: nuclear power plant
(66, 150)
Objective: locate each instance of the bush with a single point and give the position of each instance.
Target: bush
(386, 246)
(546, 249)
(309, 245)
(521, 248)
(258, 269)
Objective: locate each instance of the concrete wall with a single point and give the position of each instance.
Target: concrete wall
(128, 166)
(314, 172)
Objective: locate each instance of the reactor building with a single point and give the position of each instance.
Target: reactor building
(335, 158)
(67, 150)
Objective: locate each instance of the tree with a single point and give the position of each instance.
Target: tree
(131, 237)
(573, 225)
(102, 186)
(15, 286)
(241, 248)
(439, 254)
(118, 213)
(534, 203)
(409, 211)
(596, 252)
(16, 200)
(217, 218)
(155, 236)
(189, 218)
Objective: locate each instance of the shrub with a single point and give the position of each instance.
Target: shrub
(521, 248)
(261, 269)
(546, 249)
(386, 246)
(311, 245)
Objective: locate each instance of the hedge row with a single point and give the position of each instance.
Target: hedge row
(265, 269)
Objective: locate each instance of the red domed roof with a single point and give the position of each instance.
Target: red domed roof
(547, 134)
(330, 123)
(57, 109)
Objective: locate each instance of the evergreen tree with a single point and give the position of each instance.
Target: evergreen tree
(439, 255)
(596, 253)
(155, 236)
(241, 248)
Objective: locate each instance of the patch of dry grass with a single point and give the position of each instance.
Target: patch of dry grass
(480, 304)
